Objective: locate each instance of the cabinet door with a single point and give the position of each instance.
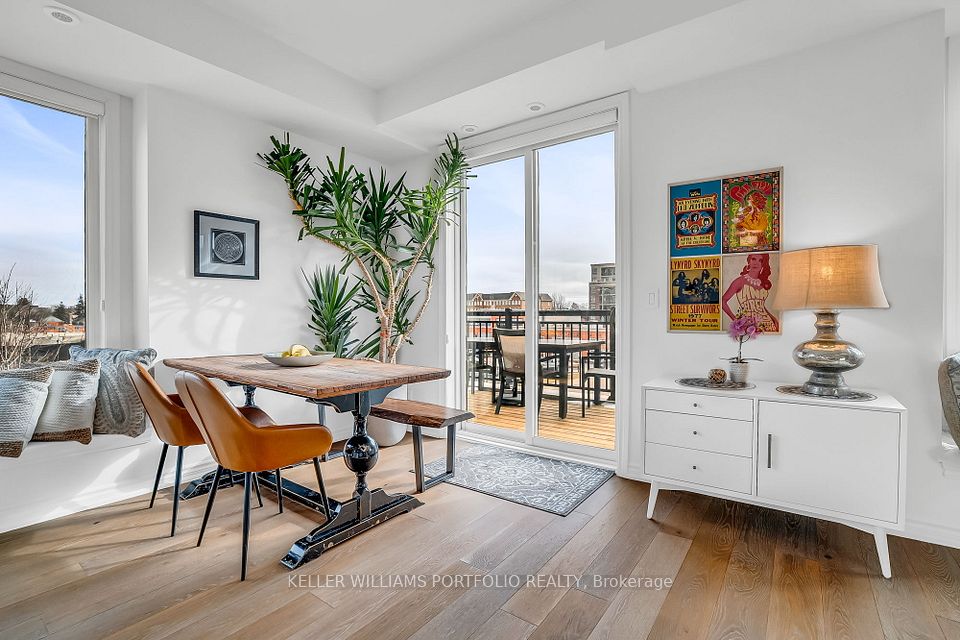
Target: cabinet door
(828, 458)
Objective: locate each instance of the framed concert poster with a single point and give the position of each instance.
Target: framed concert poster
(724, 250)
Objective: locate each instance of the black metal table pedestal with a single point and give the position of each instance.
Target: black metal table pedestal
(348, 522)
(367, 508)
(202, 485)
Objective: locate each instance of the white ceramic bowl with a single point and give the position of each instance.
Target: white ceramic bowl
(315, 358)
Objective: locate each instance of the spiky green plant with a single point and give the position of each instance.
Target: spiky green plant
(333, 302)
(389, 232)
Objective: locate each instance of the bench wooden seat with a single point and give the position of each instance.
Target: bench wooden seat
(419, 415)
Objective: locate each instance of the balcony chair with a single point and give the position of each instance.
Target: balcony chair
(237, 443)
(174, 426)
(477, 366)
(596, 366)
(511, 364)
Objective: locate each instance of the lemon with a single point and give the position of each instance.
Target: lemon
(296, 351)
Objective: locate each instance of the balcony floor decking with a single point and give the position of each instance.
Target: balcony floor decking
(597, 429)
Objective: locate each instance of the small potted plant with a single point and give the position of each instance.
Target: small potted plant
(742, 329)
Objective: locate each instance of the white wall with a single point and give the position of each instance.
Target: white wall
(200, 157)
(859, 127)
(186, 156)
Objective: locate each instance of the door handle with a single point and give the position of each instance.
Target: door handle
(769, 451)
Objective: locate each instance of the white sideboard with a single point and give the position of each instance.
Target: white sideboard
(831, 459)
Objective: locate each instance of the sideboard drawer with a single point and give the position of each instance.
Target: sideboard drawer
(700, 404)
(719, 435)
(718, 470)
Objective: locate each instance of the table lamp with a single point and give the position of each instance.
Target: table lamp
(827, 279)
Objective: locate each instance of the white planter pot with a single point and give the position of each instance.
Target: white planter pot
(739, 372)
(387, 432)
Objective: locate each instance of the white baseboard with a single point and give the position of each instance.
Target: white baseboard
(932, 533)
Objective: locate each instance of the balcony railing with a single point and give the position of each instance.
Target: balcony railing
(586, 324)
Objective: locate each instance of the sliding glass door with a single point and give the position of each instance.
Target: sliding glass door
(495, 291)
(576, 267)
(539, 244)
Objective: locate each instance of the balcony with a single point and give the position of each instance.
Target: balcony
(569, 334)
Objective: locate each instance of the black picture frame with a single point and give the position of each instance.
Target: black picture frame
(245, 251)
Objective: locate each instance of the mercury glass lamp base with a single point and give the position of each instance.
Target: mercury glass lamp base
(828, 357)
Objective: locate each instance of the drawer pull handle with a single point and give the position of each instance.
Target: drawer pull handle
(695, 432)
(695, 404)
(769, 451)
(694, 466)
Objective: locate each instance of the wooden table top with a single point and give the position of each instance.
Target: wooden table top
(335, 377)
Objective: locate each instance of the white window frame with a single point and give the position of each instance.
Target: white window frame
(108, 219)
(523, 139)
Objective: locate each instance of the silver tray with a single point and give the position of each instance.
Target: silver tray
(707, 383)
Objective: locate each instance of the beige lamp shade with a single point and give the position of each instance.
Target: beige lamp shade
(840, 277)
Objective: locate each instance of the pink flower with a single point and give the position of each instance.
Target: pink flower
(745, 328)
(742, 329)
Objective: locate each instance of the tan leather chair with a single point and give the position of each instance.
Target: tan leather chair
(237, 443)
(173, 425)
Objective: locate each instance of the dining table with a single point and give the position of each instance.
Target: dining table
(563, 348)
(347, 385)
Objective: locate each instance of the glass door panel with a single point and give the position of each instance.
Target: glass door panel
(494, 225)
(576, 208)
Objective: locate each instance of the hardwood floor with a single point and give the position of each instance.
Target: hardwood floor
(737, 572)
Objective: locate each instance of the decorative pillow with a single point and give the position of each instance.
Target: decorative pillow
(119, 409)
(22, 394)
(71, 402)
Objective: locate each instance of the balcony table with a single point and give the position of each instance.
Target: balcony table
(346, 385)
(563, 347)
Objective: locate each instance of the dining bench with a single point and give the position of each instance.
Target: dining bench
(424, 414)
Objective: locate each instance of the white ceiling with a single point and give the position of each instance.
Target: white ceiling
(380, 43)
(390, 79)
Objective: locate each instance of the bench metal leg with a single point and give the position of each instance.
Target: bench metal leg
(423, 482)
(418, 457)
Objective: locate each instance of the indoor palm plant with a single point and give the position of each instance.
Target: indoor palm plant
(332, 301)
(386, 230)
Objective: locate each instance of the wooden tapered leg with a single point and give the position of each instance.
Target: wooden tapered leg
(210, 499)
(248, 478)
(176, 491)
(156, 482)
(279, 492)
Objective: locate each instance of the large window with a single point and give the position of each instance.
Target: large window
(49, 193)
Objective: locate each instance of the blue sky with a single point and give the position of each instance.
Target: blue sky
(577, 219)
(41, 199)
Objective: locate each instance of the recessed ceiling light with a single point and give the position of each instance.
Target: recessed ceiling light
(61, 15)
(535, 106)
(469, 128)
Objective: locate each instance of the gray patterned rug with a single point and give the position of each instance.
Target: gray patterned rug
(552, 485)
